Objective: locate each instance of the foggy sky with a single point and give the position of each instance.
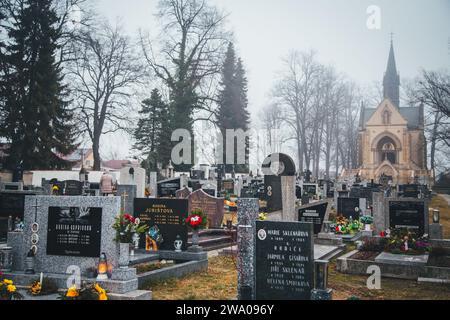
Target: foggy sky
(265, 31)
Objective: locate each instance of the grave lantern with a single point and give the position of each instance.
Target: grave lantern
(321, 274)
(436, 216)
(102, 268)
(29, 262)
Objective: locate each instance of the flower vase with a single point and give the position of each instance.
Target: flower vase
(195, 242)
(124, 255)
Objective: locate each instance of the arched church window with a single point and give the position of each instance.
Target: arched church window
(386, 117)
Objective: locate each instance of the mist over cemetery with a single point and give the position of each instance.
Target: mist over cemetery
(332, 191)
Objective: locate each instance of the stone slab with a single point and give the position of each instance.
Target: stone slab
(117, 286)
(183, 256)
(321, 251)
(137, 295)
(124, 274)
(175, 271)
(400, 259)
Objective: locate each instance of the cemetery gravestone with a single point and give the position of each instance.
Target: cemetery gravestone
(279, 180)
(134, 176)
(349, 207)
(284, 260)
(409, 214)
(213, 207)
(315, 213)
(12, 204)
(183, 193)
(168, 188)
(74, 231)
(228, 186)
(70, 231)
(127, 193)
(169, 216)
(73, 188)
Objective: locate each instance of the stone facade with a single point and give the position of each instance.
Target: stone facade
(391, 138)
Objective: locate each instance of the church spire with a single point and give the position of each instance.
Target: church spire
(391, 82)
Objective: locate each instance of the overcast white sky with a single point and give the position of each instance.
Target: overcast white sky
(265, 31)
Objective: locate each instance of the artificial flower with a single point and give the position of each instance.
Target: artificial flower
(72, 292)
(11, 288)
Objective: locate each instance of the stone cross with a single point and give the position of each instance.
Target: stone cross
(124, 197)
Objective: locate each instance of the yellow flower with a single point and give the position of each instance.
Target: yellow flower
(103, 297)
(7, 282)
(98, 288)
(72, 292)
(11, 288)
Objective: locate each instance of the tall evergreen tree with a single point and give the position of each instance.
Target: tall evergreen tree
(37, 120)
(151, 131)
(232, 112)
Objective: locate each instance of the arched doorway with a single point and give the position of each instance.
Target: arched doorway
(387, 150)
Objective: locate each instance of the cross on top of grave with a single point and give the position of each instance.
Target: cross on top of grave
(124, 197)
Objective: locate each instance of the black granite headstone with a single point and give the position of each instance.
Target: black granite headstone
(284, 260)
(349, 207)
(73, 188)
(169, 188)
(408, 215)
(169, 215)
(74, 231)
(314, 213)
(273, 193)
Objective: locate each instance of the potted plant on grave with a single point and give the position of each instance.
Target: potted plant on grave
(126, 227)
(367, 221)
(196, 221)
(8, 290)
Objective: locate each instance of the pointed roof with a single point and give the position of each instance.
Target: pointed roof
(391, 82)
(392, 66)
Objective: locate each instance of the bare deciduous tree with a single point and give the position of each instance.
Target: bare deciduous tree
(189, 55)
(105, 70)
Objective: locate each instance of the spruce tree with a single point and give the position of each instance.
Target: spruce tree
(38, 122)
(151, 131)
(232, 112)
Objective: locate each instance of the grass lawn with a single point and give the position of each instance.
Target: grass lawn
(218, 283)
(346, 286)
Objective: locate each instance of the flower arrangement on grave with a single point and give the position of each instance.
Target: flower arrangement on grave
(126, 226)
(262, 216)
(403, 241)
(197, 220)
(87, 292)
(8, 291)
(45, 288)
(147, 193)
(346, 226)
(366, 220)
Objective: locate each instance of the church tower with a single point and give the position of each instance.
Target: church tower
(391, 82)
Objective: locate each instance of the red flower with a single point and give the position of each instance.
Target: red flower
(382, 234)
(194, 221)
(129, 218)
